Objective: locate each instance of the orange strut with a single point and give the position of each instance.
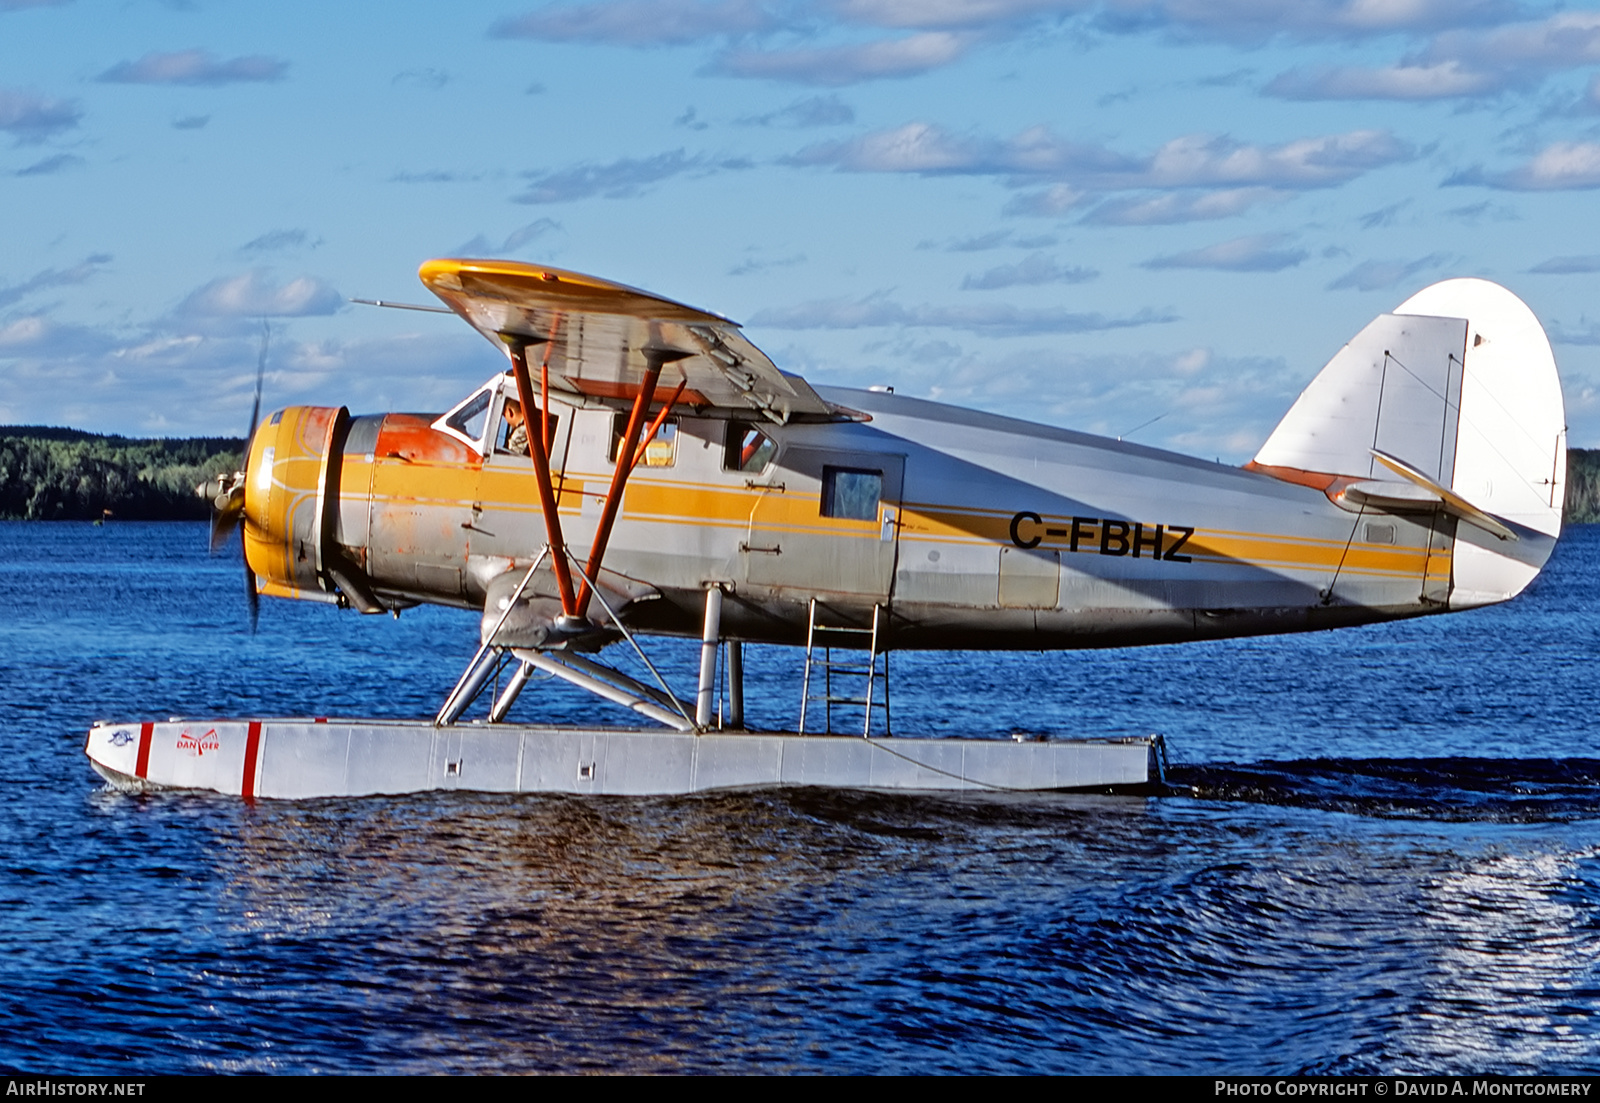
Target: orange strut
(655, 426)
(544, 382)
(619, 477)
(541, 468)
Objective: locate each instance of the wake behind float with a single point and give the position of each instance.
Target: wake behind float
(1423, 471)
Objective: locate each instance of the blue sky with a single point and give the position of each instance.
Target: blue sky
(1148, 216)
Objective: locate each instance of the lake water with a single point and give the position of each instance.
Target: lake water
(1387, 860)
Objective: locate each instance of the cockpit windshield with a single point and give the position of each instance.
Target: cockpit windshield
(471, 417)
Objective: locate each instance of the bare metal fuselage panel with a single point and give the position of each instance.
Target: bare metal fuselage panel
(985, 533)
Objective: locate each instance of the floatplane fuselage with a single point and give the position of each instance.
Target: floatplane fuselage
(667, 479)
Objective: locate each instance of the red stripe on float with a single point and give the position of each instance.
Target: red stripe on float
(252, 748)
(142, 769)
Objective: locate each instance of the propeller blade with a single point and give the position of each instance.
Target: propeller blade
(226, 492)
(261, 374)
(221, 529)
(252, 598)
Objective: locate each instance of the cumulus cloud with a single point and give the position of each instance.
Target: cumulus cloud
(1191, 400)
(1256, 253)
(1051, 202)
(254, 295)
(191, 122)
(1563, 40)
(813, 111)
(640, 22)
(927, 149)
(54, 277)
(1191, 161)
(619, 179)
(1438, 81)
(1030, 271)
(32, 118)
(1561, 166)
(1477, 61)
(51, 165)
(1585, 333)
(35, 335)
(1256, 21)
(170, 379)
(1304, 163)
(834, 66)
(681, 22)
(1376, 275)
(195, 67)
(1159, 210)
(999, 320)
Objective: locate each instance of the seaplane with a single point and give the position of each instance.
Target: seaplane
(635, 467)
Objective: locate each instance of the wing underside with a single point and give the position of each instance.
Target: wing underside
(596, 339)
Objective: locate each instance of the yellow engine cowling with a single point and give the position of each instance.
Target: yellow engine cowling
(291, 500)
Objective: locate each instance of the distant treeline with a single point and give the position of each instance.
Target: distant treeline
(49, 474)
(1583, 485)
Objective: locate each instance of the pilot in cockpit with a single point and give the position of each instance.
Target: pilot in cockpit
(517, 439)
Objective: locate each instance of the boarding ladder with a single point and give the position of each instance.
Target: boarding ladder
(838, 676)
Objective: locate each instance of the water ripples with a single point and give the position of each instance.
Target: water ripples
(1341, 900)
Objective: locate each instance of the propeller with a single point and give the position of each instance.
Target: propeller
(226, 491)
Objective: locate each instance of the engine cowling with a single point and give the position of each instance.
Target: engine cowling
(291, 500)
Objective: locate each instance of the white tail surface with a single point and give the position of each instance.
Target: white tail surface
(1459, 384)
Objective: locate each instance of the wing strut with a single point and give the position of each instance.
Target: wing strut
(537, 443)
(655, 358)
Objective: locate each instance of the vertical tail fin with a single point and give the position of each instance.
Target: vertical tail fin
(1459, 384)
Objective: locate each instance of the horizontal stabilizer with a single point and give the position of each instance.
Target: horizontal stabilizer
(1452, 502)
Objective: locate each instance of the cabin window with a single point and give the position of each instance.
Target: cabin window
(469, 420)
(851, 493)
(747, 448)
(662, 451)
(503, 433)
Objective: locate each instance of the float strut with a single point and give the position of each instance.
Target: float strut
(708, 658)
(470, 685)
(508, 696)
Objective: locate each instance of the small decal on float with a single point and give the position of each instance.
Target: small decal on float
(198, 745)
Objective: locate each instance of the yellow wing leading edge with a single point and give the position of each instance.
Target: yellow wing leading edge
(596, 337)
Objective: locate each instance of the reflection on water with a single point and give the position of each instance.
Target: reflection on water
(1388, 862)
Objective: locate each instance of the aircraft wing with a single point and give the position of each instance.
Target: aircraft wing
(595, 333)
